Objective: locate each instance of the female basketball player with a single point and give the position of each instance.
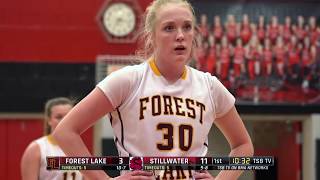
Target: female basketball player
(33, 163)
(161, 107)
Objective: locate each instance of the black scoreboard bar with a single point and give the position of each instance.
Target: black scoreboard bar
(160, 163)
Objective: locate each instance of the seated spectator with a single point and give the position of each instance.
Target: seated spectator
(217, 29)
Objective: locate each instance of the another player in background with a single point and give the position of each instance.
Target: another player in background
(161, 107)
(33, 162)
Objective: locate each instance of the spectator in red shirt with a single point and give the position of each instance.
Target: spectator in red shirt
(231, 29)
(203, 26)
(300, 30)
(267, 56)
(245, 32)
(261, 33)
(217, 29)
(287, 31)
(212, 55)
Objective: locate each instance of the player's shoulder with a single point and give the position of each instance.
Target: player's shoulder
(130, 70)
(207, 78)
(41, 140)
(200, 74)
(133, 68)
(34, 145)
(32, 151)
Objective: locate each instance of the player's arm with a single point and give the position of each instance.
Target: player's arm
(30, 162)
(238, 138)
(79, 119)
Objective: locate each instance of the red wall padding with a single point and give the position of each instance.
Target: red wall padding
(3, 150)
(288, 153)
(19, 134)
(55, 31)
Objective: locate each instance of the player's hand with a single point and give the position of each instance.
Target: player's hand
(136, 175)
(203, 175)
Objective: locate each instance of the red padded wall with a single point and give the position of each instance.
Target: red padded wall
(288, 152)
(3, 150)
(55, 31)
(20, 133)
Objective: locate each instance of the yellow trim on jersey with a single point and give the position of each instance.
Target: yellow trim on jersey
(52, 140)
(155, 69)
(184, 74)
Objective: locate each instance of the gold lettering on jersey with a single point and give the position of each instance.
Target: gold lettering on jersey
(156, 105)
(143, 101)
(171, 105)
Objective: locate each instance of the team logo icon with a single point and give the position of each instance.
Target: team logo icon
(136, 163)
(52, 163)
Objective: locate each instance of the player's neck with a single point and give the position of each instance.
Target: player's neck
(170, 72)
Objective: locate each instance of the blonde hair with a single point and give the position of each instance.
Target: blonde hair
(146, 37)
(48, 110)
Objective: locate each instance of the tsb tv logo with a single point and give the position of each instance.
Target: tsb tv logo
(136, 163)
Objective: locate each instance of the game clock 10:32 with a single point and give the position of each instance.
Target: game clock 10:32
(240, 161)
(257, 160)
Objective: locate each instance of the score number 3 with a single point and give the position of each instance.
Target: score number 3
(168, 136)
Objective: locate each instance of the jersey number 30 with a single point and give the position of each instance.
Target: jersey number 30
(185, 136)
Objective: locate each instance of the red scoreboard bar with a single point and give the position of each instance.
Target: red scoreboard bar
(159, 163)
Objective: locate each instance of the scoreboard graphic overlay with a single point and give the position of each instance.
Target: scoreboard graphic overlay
(160, 163)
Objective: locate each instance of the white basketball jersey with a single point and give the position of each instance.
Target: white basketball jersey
(49, 148)
(153, 117)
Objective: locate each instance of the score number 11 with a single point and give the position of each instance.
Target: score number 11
(204, 160)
